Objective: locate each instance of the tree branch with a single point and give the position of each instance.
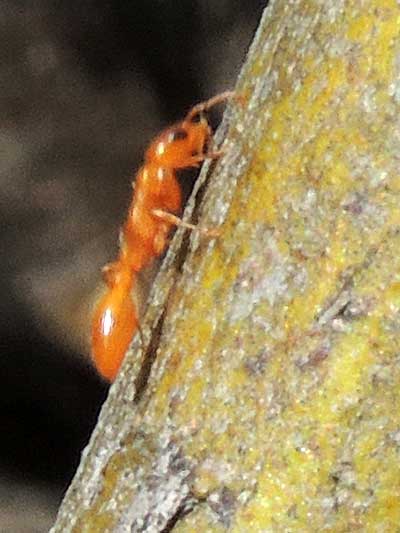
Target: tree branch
(270, 400)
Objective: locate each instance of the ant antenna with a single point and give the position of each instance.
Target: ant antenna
(205, 106)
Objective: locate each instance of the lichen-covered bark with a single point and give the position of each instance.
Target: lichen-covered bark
(269, 399)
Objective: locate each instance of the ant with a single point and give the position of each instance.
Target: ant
(156, 202)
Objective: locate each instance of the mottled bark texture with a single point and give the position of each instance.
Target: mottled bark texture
(267, 398)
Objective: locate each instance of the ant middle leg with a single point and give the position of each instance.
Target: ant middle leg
(176, 221)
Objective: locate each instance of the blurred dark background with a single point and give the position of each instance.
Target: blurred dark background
(84, 87)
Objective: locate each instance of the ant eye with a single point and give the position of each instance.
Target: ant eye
(178, 135)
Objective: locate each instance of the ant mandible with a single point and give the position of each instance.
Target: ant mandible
(156, 202)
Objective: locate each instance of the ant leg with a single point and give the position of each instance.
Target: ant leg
(215, 154)
(195, 160)
(176, 221)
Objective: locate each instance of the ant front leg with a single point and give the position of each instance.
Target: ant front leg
(195, 160)
(173, 220)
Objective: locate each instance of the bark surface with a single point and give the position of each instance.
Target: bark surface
(266, 397)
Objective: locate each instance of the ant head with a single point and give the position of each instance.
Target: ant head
(178, 146)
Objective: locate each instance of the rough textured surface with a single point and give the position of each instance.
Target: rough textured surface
(272, 402)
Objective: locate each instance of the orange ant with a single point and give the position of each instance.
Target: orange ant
(156, 202)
